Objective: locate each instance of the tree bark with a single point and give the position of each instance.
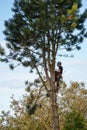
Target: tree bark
(55, 107)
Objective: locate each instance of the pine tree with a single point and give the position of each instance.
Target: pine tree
(35, 33)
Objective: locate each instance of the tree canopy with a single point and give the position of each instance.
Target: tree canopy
(39, 28)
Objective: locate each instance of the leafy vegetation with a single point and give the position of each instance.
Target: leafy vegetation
(72, 116)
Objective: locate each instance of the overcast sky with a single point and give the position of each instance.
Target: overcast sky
(12, 82)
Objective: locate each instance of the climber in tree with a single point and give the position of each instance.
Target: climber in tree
(58, 74)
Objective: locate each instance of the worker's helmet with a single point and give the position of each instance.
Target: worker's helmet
(59, 63)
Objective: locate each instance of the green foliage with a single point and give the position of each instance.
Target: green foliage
(36, 25)
(73, 99)
(32, 109)
(72, 110)
(74, 121)
(1, 51)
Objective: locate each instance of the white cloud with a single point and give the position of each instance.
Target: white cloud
(76, 70)
(12, 82)
(5, 96)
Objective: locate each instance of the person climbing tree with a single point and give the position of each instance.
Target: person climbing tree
(58, 74)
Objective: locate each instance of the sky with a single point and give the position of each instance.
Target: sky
(12, 82)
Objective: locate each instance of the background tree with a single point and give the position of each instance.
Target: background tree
(37, 30)
(22, 114)
(75, 121)
(73, 102)
(70, 97)
(22, 118)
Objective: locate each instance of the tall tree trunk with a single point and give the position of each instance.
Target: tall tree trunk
(55, 108)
